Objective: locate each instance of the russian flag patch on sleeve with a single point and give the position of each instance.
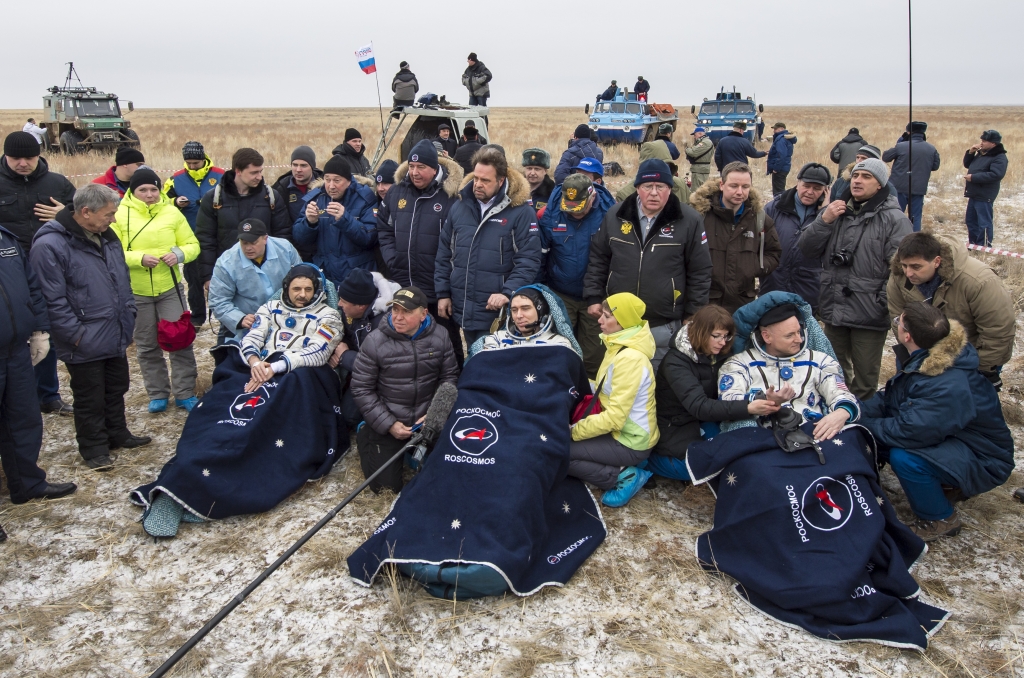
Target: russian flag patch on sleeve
(703, 237)
(325, 333)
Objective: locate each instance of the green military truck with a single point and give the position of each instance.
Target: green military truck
(79, 119)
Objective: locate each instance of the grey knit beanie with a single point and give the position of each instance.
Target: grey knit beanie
(305, 153)
(876, 168)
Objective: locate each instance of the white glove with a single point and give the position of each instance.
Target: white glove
(38, 346)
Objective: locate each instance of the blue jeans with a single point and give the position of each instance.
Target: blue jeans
(47, 384)
(671, 467)
(979, 222)
(916, 205)
(922, 483)
(477, 101)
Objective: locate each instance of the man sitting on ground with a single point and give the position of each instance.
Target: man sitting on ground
(779, 362)
(939, 422)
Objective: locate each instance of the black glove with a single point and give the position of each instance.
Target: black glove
(995, 376)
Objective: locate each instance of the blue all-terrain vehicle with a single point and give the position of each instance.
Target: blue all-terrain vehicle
(728, 108)
(624, 120)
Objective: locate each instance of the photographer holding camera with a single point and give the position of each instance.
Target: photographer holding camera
(855, 237)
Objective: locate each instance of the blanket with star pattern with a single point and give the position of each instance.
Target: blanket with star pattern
(246, 452)
(493, 509)
(812, 545)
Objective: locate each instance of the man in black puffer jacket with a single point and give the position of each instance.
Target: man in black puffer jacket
(353, 151)
(241, 194)
(736, 148)
(986, 166)
(409, 223)
(399, 367)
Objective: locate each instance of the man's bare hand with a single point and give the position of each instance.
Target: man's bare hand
(400, 431)
(336, 356)
(181, 201)
(496, 301)
(831, 424)
(248, 320)
(835, 209)
(48, 212)
(444, 308)
(762, 408)
(336, 210)
(312, 213)
(594, 310)
(968, 177)
(783, 395)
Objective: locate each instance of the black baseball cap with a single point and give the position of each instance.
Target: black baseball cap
(250, 230)
(410, 298)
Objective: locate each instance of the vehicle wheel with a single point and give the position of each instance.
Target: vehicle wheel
(69, 142)
(411, 139)
(133, 135)
(586, 109)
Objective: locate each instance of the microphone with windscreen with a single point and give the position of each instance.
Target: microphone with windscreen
(433, 423)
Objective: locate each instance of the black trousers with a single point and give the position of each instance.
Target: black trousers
(21, 425)
(453, 332)
(196, 297)
(376, 449)
(779, 182)
(99, 387)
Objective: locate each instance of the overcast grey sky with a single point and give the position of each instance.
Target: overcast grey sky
(267, 53)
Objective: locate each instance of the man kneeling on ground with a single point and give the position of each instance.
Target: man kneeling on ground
(939, 422)
(779, 362)
(399, 367)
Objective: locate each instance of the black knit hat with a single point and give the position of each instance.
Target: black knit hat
(21, 145)
(442, 126)
(386, 172)
(655, 170)
(472, 56)
(193, 150)
(127, 156)
(778, 314)
(425, 153)
(352, 133)
(582, 131)
(358, 287)
(144, 177)
(338, 165)
(404, 64)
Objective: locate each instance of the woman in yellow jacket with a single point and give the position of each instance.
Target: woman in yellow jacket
(156, 237)
(608, 446)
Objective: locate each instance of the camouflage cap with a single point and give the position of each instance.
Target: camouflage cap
(575, 190)
(536, 157)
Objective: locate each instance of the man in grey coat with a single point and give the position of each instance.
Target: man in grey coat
(911, 181)
(84, 279)
(855, 241)
(476, 79)
(404, 85)
(845, 151)
(399, 367)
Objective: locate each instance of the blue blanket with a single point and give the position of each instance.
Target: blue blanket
(494, 490)
(246, 452)
(811, 545)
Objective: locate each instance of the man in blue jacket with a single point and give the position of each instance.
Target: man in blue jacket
(488, 246)
(939, 422)
(339, 222)
(736, 148)
(780, 156)
(911, 182)
(573, 216)
(986, 166)
(24, 341)
(580, 146)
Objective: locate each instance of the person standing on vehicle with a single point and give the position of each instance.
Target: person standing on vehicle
(855, 241)
(780, 156)
(476, 79)
(409, 224)
(32, 196)
(741, 238)
(642, 87)
(84, 278)
(126, 161)
(404, 85)
(241, 194)
(986, 166)
(845, 151)
(912, 181)
(536, 163)
(655, 245)
(699, 156)
(580, 146)
(488, 246)
(609, 93)
(352, 151)
(793, 211)
(35, 130)
(186, 188)
(736, 148)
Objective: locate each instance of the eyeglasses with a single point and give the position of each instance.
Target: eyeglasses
(654, 187)
(721, 337)
(897, 324)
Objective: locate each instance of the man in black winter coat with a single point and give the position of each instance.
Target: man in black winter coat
(357, 296)
(24, 340)
(409, 224)
(986, 166)
(845, 151)
(476, 78)
(294, 185)
(354, 152)
(445, 138)
(241, 194)
(911, 181)
(464, 156)
(736, 148)
(31, 195)
(642, 87)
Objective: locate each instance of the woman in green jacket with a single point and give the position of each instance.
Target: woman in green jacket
(157, 238)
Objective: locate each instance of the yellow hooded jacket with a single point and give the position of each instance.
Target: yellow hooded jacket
(627, 395)
(155, 230)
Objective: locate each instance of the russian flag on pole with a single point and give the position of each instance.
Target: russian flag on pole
(365, 57)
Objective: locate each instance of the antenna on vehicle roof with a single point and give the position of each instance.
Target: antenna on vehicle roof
(72, 73)
(910, 105)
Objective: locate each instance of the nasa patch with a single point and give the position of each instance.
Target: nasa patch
(725, 383)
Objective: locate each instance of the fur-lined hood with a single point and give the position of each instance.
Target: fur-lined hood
(453, 174)
(943, 355)
(954, 258)
(356, 179)
(706, 197)
(518, 189)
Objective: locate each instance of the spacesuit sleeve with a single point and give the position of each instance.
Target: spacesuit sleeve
(327, 335)
(254, 340)
(734, 381)
(833, 389)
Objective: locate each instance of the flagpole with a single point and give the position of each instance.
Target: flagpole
(380, 106)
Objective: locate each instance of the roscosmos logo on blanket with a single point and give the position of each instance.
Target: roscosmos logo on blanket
(245, 405)
(474, 434)
(555, 559)
(827, 504)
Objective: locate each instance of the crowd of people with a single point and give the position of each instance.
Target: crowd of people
(691, 303)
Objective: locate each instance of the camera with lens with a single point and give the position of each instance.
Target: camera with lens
(843, 257)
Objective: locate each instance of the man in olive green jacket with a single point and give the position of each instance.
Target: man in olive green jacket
(938, 270)
(700, 155)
